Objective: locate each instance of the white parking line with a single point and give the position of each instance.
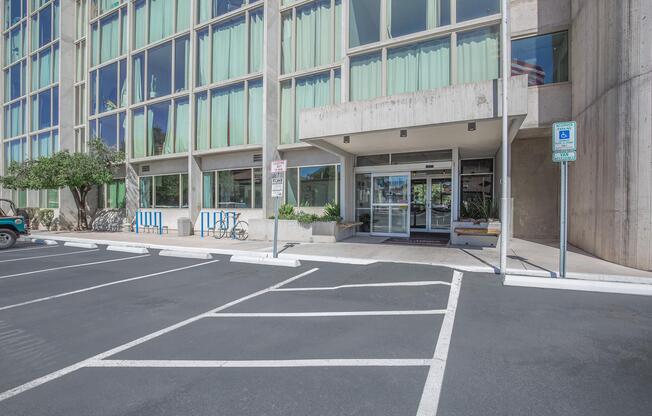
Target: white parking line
(117, 282)
(391, 284)
(81, 364)
(26, 249)
(72, 266)
(432, 389)
(49, 255)
(323, 314)
(260, 363)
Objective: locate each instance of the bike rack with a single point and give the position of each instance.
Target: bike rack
(209, 220)
(149, 220)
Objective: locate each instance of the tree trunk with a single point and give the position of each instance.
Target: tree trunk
(79, 195)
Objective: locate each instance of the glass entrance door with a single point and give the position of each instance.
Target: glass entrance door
(390, 204)
(430, 204)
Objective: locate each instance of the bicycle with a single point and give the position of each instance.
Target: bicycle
(239, 230)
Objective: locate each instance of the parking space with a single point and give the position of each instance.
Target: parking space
(87, 331)
(148, 329)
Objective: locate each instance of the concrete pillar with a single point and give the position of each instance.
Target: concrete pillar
(347, 188)
(271, 109)
(610, 195)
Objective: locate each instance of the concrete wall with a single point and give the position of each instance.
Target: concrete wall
(611, 183)
(535, 190)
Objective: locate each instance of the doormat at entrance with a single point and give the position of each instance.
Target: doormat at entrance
(419, 241)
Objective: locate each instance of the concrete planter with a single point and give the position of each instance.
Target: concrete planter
(464, 235)
(293, 231)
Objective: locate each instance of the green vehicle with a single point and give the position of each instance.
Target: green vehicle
(13, 223)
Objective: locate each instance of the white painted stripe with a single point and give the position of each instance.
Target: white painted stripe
(81, 364)
(72, 266)
(261, 363)
(80, 245)
(185, 254)
(117, 282)
(49, 255)
(128, 249)
(322, 314)
(391, 284)
(579, 285)
(432, 389)
(24, 249)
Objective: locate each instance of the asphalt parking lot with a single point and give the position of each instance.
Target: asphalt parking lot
(96, 332)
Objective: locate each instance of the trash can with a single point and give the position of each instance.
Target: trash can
(184, 227)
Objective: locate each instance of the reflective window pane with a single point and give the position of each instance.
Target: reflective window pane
(160, 137)
(472, 9)
(543, 58)
(108, 88)
(166, 190)
(159, 75)
(234, 188)
(107, 130)
(364, 22)
(317, 185)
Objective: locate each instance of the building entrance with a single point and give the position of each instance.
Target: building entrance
(430, 202)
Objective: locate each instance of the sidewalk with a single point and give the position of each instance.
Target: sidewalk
(525, 258)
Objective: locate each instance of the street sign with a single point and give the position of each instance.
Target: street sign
(279, 166)
(564, 150)
(564, 137)
(277, 187)
(564, 156)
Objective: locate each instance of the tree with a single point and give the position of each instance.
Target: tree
(79, 172)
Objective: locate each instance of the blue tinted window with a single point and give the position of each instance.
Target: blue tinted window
(543, 58)
(55, 106)
(122, 125)
(159, 124)
(108, 132)
(159, 77)
(122, 98)
(473, 9)
(13, 12)
(181, 64)
(221, 7)
(44, 109)
(45, 26)
(15, 73)
(93, 102)
(108, 88)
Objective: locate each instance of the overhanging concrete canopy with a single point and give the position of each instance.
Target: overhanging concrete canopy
(436, 119)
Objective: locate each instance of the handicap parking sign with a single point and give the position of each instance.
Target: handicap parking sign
(564, 137)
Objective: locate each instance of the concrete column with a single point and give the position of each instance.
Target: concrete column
(67, 207)
(131, 187)
(610, 185)
(347, 188)
(271, 99)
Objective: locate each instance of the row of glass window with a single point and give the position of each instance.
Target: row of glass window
(312, 186)
(166, 191)
(42, 145)
(161, 128)
(241, 188)
(208, 9)
(44, 71)
(46, 198)
(230, 116)
(112, 195)
(314, 32)
(303, 93)
(44, 113)
(404, 17)
(15, 10)
(226, 50)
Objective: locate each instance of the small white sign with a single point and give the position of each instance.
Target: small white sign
(277, 187)
(564, 137)
(279, 166)
(564, 156)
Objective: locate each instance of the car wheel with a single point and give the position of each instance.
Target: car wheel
(7, 239)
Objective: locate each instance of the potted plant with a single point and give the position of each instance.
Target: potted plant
(479, 223)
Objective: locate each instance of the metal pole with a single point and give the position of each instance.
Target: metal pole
(276, 227)
(504, 204)
(563, 220)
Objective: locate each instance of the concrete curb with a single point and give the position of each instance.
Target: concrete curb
(128, 249)
(265, 260)
(578, 285)
(185, 254)
(44, 242)
(79, 244)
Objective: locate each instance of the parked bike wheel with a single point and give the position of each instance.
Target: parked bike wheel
(241, 230)
(220, 231)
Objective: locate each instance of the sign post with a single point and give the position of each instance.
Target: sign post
(278, 169)
(564, 150)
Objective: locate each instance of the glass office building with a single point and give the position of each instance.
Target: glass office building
(202, 94)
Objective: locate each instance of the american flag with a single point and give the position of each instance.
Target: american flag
(536, 74)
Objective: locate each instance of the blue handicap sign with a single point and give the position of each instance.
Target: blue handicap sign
(564, 134)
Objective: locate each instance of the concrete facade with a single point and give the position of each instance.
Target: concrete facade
(611, 183)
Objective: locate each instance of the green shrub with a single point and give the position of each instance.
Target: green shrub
(332, 210)
(479, 209)
(34, 218)
(286, 210)
(46, 217)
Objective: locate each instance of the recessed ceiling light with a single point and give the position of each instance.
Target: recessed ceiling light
(403, 133)
(347, 139)
(472, 126)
